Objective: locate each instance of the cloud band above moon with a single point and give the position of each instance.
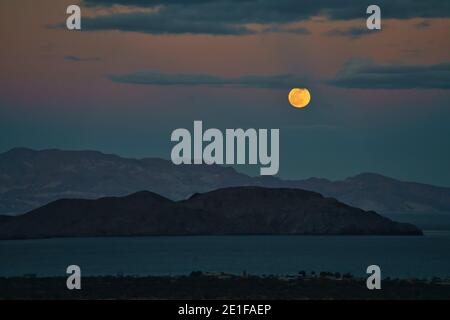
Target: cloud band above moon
(281, 81)
(232, 17)
(365, 74)
(269, 11)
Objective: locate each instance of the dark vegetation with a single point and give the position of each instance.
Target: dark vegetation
(324, 285)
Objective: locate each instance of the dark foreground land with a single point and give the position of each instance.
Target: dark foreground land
(222, 286)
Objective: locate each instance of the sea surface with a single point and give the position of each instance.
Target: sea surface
(398, 256)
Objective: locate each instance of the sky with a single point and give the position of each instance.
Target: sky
(139, 69)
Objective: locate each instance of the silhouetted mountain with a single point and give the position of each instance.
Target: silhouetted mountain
(29, 179)
(371, 191)
(239, 210)
(292, 211)
(4, 219)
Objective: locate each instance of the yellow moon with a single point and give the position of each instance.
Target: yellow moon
(299, 97)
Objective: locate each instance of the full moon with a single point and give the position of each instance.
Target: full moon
(299, 97)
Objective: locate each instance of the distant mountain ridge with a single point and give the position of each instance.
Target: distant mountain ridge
(371, 191)
(238, 210)
(30, 179)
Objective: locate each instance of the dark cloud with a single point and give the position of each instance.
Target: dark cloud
(231, 16)
(80, 59)
(140, 3)
(278, 28)
(156, 23)
(352, 32)
(282, 81)
(283, 9)
(365, 74)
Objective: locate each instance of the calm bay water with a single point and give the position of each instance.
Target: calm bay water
(397, 256)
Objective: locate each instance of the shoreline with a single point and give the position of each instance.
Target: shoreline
(199, 285)
(229, 235)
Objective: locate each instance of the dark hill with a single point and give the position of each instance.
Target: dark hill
(239, 210)
(292, 211)
(4, 219)
(142, 213)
